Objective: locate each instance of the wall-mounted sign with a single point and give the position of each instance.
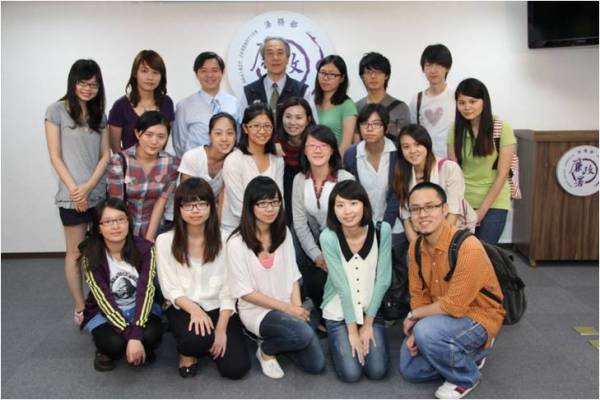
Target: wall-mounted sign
(308, 45)
(577, 170)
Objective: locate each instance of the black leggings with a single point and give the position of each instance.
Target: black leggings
(110, 342)
(236, 361)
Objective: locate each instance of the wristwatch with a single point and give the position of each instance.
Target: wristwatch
(410, 317)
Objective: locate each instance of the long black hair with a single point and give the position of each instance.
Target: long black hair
(93, 248)
(260, 188)
(340, 94)
(251, 112)
(281, 134)
(83, 70)
(403, 169)
(483, 144)
(190, 190)
(153, 60)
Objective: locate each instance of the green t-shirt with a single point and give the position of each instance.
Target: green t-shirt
(334, 117)
(478, 172)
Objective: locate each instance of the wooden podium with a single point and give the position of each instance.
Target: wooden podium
(549, 224)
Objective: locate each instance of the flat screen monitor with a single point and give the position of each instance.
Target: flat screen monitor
(562, 23)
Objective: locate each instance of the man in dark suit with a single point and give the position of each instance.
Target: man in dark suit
(275, 86)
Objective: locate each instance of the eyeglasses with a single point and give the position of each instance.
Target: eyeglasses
(328, 75)
(113, 222)
(200, 206)
(87, 85)
(258, 127)
(267, 203)
(372, 72)
(429, 208)
(313, 147)
(371, 125)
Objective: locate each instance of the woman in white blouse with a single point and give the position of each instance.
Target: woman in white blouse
(206, 162)
(321, 169)
(264, 276)
(256, 156)
(417, 163)
(192, 275)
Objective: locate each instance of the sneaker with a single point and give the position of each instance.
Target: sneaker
(451, 391)
(103, 363)
(480, 363)
(270, 367)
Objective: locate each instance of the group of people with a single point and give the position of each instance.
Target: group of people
(276, 197)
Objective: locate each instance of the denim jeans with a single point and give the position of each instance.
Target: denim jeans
(283, 333)
(347, 368)
(448, 348)
(491, 227)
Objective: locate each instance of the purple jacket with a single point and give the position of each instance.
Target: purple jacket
(101, 298)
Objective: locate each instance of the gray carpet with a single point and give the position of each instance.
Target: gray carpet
(45, 356)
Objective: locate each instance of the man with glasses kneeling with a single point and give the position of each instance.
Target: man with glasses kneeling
(452, 325)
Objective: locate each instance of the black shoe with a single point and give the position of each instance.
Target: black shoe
(150, 357)
(321, 330)
(103, 363)
(188, 372)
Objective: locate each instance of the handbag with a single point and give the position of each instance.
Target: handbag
(513, 173)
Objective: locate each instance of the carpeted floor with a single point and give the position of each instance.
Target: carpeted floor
(45, 356)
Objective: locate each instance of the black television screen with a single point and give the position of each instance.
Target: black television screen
(562, 23)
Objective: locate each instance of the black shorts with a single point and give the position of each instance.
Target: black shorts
(70, 217)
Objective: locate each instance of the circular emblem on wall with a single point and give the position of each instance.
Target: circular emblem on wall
(577, 170)
(308, 45)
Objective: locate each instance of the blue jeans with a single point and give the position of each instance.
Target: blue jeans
(283, 333)
(347, 368)
(448, 348)
(491, 227)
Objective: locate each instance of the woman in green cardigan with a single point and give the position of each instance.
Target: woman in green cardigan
(358, 257)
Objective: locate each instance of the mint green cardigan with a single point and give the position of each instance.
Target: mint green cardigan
(337, 282)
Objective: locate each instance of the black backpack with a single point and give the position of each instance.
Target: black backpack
(511, 284)
(396, 301)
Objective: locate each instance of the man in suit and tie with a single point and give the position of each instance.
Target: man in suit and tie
(276, 85)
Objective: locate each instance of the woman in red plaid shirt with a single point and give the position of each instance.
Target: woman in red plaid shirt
(145, 175)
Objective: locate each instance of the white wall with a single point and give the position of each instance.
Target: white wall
(538, 89)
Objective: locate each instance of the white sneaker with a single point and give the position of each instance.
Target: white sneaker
(481, 363)
(451, 391)
(270, 367)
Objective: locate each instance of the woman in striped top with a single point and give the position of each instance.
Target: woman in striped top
(120, 311)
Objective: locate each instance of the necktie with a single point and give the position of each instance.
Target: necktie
(215, 106)
(274, 98)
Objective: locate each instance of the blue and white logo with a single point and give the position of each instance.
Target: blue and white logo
(577, 171)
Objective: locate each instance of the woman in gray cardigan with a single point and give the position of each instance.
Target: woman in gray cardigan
(321, 169)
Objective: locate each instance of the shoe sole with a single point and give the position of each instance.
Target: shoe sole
(103, 368)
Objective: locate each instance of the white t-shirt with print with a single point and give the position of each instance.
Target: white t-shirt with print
(436, 115)
(123, 282)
